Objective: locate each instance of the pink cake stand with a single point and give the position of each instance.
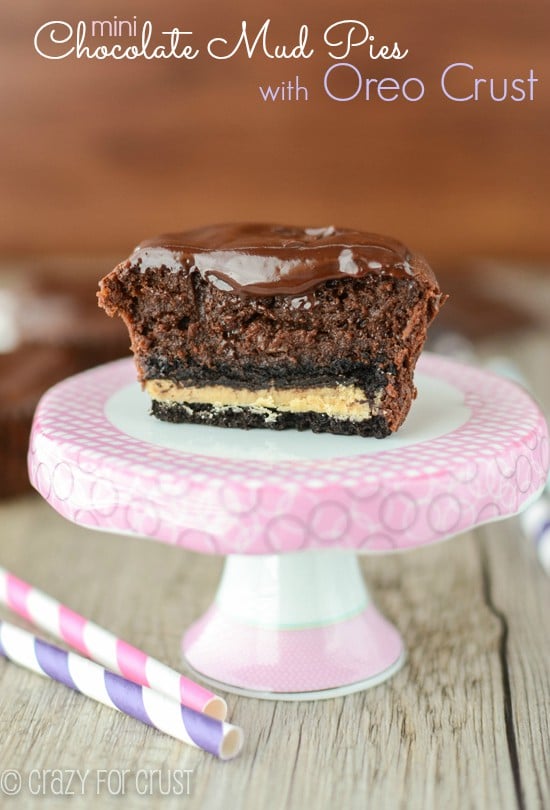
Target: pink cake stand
(292, 617)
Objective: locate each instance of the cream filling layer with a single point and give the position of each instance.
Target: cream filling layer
(339, 401)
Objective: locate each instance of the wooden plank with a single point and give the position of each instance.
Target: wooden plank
(464, 181)
(518, 591)
(434, 736)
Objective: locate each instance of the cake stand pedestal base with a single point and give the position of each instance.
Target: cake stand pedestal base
(293, 627)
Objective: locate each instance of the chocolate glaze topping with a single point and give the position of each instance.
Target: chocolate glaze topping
(266, 260)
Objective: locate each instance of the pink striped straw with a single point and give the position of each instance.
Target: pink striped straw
(102, 646)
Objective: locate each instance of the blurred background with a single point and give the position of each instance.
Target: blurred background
(96, 155)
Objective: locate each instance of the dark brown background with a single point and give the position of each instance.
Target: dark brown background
(96, 155)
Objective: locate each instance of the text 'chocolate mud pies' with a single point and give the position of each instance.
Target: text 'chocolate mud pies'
(254, 325)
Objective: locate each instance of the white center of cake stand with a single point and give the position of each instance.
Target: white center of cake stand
(293, 626)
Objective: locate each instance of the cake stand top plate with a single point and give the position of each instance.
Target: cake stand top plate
(474, 449)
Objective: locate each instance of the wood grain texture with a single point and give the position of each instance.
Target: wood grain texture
(465, 724)
(448, 731)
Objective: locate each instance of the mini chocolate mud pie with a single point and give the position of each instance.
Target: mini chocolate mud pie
(253, 325)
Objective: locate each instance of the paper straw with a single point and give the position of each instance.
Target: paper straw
(535, 522)
(102, 646)
(85, 676)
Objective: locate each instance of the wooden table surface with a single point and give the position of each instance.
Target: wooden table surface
(464, 724)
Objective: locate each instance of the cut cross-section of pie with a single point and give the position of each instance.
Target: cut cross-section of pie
(254, 325)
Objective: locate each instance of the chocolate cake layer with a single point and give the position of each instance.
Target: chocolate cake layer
(260, 307)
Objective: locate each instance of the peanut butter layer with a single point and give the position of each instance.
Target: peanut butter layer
(339, 401)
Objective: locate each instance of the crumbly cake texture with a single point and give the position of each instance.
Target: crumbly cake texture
(276, 326)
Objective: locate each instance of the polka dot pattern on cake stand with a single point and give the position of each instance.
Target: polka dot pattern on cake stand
(94, 473)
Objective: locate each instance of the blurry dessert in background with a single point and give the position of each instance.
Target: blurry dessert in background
(50, 328)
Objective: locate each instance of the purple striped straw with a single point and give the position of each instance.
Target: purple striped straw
(199, 730)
